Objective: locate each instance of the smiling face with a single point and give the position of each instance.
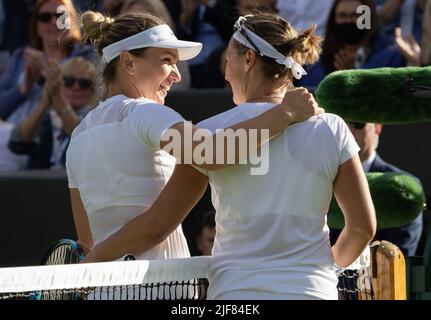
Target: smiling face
(154, 73)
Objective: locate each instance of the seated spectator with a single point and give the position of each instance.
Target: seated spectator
(70, 93)
(346, 46)
(192, 24)
(405, 237)
(21, 83)
(206, 235)
(405, 14)
(158, 9)
(9, 161)
(303, 13)
(415, 54)
(214, 69)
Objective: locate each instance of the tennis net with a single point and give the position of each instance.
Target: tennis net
(175, 279)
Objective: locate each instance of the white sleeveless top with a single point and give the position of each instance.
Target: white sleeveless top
(115, 161)
(271, 231)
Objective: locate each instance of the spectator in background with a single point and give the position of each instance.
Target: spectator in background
(346, 46)
(21, 83)
(205, 238)
(206, 21)
(214, 69)
(406, 237)
(303, 13)
(70, 92)
(414, 53)
(158, 9)
(406, 14)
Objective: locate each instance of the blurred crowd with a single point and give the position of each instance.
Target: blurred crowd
(49, 78)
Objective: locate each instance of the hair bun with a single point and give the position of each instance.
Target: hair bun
(94, 24)
(307, 44)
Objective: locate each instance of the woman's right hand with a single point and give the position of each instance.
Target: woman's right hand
(300, 105)
(33, 65)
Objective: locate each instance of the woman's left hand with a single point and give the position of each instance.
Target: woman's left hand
(300, 105)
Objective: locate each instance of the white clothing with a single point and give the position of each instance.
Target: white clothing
(302, 14)
(9, 161)
(271, 231)
(115, 161)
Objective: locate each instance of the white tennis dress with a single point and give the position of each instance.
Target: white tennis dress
(114, 159)
(272, 240)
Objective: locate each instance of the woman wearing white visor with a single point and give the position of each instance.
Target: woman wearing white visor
(115, 164)
(272, 241)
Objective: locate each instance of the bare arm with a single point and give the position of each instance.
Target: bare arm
(85, 238)
(298, 105)
(183, 191)
(353, 196)
(29, 127)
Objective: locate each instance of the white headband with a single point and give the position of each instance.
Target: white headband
(264, 48)
(160, 36)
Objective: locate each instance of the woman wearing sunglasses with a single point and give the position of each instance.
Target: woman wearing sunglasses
(272, 240)
(54, 34)
(70, 92)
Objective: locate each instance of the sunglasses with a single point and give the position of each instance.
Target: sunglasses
(357, 125)
(83, 83)
(46, 17)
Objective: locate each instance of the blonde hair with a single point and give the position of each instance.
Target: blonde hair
(103, 31)
(154, 7)
(426, 37)
(304, 47)
(78, 63)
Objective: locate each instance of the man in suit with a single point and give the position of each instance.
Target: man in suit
(405, 237)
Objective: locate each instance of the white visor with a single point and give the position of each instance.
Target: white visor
(160, 37)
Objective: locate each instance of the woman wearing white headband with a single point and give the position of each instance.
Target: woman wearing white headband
(115, 164)
(272, 241)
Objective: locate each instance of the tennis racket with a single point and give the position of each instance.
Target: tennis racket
(63, 251)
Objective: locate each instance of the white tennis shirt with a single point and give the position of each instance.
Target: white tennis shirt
(271, 231)
(114, 159)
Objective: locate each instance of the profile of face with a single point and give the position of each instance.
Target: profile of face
(235, 72)
(205, 240)
(346, 17)
(366, 136)
(47, 17)
(78, 87)
(153, 74)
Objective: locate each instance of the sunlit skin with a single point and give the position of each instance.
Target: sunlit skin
(150, 76)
